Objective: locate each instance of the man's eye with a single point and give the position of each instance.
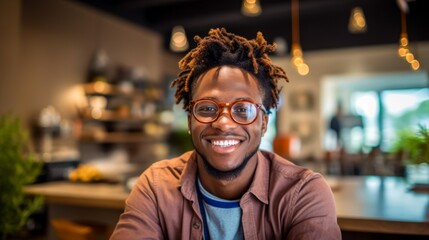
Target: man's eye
(241, 110)
(207, 109)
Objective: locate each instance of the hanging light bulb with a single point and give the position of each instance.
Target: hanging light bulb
(403, 45)
(357, 22)
(298, 60)
(403, 50)
(415, 64)
(251, 8)
(297, 56)
(178, 41)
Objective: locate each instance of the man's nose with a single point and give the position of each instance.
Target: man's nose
(224, 121)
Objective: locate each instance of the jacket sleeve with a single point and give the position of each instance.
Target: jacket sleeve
(314, 213)
(140, 217)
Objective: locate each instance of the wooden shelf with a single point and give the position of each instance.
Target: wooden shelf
(110, 90)
(120, 117)
(120, 137)
(114, 116)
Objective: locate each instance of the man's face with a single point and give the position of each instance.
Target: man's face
(224, 145)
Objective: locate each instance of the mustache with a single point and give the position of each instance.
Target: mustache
(221, 134)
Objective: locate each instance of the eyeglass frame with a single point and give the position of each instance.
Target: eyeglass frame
(222, 105)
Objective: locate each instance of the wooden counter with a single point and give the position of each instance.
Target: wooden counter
(381, 205)
(98, 195)
(96, 203)
(364, 204)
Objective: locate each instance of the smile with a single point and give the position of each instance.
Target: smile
(225, 143)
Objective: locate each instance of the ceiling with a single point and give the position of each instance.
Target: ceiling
(323, 23)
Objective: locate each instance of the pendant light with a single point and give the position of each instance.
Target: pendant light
(297, 56)
(178, 41)
(357, 22)
(403, 49)
(251, 8)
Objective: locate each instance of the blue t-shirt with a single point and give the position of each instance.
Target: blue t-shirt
(222, 217)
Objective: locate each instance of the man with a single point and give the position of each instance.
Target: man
(227, 188)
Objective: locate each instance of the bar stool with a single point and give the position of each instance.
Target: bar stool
(68, 230)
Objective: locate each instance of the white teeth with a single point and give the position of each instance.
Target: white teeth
(225, 143)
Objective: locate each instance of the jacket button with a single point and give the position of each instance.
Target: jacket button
(196, 225)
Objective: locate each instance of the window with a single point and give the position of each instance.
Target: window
(387, 112)
(365, 104)
(386, 103)
(403, 109)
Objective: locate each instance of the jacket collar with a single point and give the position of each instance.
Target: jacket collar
(189, 176)
(260, 183)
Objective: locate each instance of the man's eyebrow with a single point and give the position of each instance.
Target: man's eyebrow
(245, 98)
(216, 100)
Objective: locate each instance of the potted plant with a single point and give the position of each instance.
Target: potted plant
(414, 145)
(18, 167)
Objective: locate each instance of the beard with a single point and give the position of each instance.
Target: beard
(230, 174)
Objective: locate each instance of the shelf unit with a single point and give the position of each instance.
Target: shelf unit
(121, 114)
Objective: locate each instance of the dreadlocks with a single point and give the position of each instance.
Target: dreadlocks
(223, 48)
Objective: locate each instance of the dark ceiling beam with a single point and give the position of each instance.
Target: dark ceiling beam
(272, 12)
(323, 23)
(136, 4)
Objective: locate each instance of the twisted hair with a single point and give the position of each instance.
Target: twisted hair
(221, 48)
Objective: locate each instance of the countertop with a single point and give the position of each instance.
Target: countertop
(369, 203)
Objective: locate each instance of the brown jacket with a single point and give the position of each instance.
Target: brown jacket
(284, 201)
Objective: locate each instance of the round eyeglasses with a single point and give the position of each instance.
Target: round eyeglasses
(243, 112)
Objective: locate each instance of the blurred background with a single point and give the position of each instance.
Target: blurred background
(90, 81)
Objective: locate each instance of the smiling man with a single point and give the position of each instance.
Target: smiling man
(227, 188)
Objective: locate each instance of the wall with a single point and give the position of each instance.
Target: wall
(50, 44)
(9, 50)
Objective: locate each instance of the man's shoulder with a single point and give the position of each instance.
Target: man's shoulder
(288, 180)
(282, 168)
(178, 162)
(168, 171)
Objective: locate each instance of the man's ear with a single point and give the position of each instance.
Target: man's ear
(265, 119)
(189, 120)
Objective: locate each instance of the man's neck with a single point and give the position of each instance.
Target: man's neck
(230, 189)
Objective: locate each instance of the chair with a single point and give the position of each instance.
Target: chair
(339, 162)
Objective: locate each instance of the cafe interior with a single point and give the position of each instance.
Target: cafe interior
(90, 80)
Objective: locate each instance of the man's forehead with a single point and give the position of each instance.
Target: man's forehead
(229, 82)
(215, 73)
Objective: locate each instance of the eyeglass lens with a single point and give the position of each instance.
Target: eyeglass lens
(241, 112)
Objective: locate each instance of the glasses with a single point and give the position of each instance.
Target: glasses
(243, 112)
